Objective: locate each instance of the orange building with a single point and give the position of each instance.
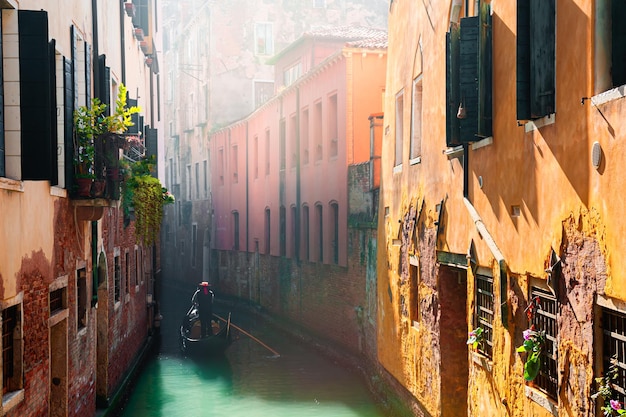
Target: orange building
(501, 193)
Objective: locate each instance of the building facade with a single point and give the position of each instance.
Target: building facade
(501, 194)
(76, 285)
(218, 66)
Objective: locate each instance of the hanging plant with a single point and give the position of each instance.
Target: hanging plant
(476, 337)
(534, 343)
(606, 391)
(145, 194)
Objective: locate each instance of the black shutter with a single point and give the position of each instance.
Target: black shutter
(54, 136)
(135, 128)
(484, 72)
(151, 142)
(618, 40)
(468, 79)
(523, 59)
(542, 58)
(35, 100)
(74, 66)
(68, 96)
(88, 73)
(103, 91)
(452, 86)
(2, 165)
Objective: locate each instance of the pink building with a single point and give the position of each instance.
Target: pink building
(280, 176)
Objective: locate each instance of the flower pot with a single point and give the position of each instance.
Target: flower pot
(97, 188)
(84, 187)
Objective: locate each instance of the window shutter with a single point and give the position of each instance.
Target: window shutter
(452, 86)
(151, 142)
(134, 129)
(484, 72)
(88, 72)
(2, 154)
(103, 82)
(618, 40)
(68, 107)
(523, 59)
(542, 58)
(74, 66)
(54, 135)
(35, 100)
(468, 79)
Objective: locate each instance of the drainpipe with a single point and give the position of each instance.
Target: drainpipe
(122, 41)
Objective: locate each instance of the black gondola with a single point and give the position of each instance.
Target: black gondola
(191, 340)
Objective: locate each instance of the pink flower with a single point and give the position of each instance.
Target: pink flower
(527, 334)
(615, 405)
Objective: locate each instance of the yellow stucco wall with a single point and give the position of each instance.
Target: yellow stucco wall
(546, 171)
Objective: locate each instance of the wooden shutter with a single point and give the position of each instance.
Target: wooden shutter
(468, 78)
(151, 142)
(68, 107)
(88, 73)
(103, 83)
(54, 136)
(523, 60)
(484, 72)
(2, 154)
(452, 86)
(542, 58)
(74, 66)
(35, 100)
(135, 128)
(618, 40)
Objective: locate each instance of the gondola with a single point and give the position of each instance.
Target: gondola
(191, 340)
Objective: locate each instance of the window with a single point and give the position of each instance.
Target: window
(11, 351)
(264, 40)
(267, 232)
(399, 128)
(220, 165)
(283, 231)
(197, 167)
(320, 232)
(334, 210)
(126, 272)
(234, 161)
(293, 142)
(188, 179)
(614, 345)
(267, 152)
(235, 230)
(194, 244)
(416, 121)
(304, 136)
(544, 319)
(281, 150)
(317, 130)
(136, 266)
(263, 91)
(305, 232)
(483, 314)
(81, 297)
(117, 274)
(205, 175)
(293, 232)
(255, 157)
(291, 74)
(536, 58)
(610, 44)
(58, 300)
(333, 129)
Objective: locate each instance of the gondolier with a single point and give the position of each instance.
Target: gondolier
(203, 298)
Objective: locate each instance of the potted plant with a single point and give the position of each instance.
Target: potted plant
(91, 124)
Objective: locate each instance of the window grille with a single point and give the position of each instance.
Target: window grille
(9, 322)
(56, 300)
(544, 319)
(614, 344)
(484, 312)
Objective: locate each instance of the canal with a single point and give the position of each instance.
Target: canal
(249, 380)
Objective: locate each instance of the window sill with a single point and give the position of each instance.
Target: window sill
(397, 169)
(482, 361)
(58, 192)
(11, 399)
(609, 95)
(415, 161)
(482, 143)
(82, 331)
(453, 153)
(11, 185)
(539, 123)
(542, 400)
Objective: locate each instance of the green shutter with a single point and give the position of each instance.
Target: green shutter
(88, 72)
(468, 79)
(542, 57)
(68, 126)
(523, 59)
(151, 142)
(484, 72)
(134, 129)
(452, 86)
(35, 100)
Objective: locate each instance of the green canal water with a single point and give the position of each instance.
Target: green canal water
(248, 380)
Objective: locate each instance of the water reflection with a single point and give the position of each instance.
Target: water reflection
(248, 380)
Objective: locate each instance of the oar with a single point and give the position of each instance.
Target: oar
(249, 335)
